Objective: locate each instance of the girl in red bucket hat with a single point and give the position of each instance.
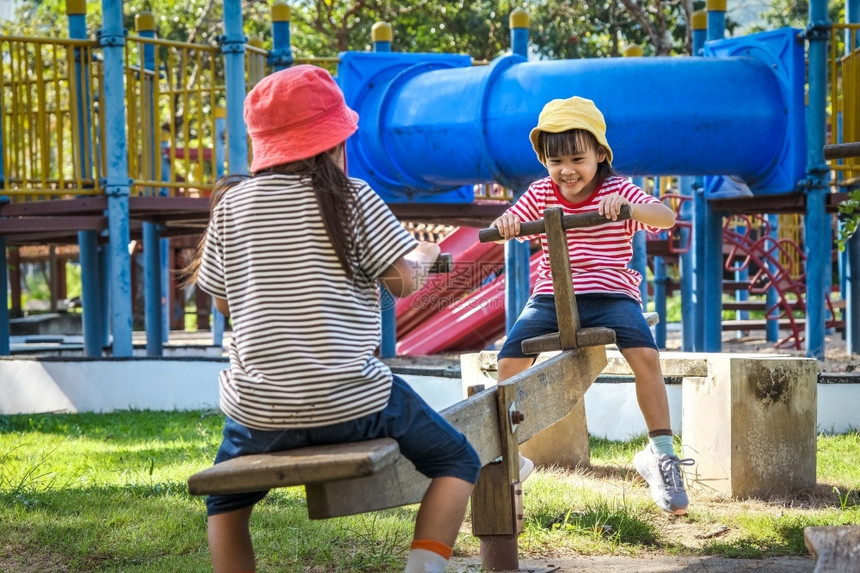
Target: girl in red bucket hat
(293, 256)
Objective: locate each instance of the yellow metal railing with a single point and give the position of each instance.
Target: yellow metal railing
(52, 125)
(171, 116)
(791, 227)
(256, 67)
(845, 99)
(329, 63)
(46, 141)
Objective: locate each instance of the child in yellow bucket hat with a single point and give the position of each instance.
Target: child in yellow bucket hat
(570, 140)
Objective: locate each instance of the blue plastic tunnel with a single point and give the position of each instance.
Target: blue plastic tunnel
(431, 122)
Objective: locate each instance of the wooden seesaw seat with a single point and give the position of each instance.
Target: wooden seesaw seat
(314, 464)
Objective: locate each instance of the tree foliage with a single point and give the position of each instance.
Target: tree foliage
(794, 13)
(480, 28)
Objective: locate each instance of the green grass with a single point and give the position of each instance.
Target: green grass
(107, 492)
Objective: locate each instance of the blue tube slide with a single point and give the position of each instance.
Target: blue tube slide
(433, 122)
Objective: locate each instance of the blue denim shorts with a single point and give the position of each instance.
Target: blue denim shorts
(616, 311)
(426, 439)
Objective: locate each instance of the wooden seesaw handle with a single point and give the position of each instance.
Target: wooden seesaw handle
(842, 150)
(567, 222)
(443, 264)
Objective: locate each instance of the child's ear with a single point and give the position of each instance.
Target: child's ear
(601, 154)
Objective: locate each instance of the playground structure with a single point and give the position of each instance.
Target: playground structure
(74, 173)
(480, 140)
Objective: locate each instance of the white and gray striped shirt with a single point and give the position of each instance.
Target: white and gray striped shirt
(304, 334)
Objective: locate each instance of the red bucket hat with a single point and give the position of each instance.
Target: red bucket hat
(295, 114)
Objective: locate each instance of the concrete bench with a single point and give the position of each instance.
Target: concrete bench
(748, 420)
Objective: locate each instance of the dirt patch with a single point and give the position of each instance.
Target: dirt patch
(711, 519)
(16, 558)
(650, 564)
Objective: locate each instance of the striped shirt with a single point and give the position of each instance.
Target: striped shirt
(598, 255)
(304, 334)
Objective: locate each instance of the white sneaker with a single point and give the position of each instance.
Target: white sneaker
(526, 468)
(663, 475)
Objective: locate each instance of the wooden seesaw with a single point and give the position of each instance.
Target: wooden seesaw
(346, 479)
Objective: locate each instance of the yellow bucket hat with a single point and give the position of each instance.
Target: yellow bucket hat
(573, 113)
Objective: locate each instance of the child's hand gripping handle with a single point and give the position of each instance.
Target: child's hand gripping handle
(590, 219)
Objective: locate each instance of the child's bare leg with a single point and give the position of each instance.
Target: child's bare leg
(443, 509)
(650, 387)
(230, 541)
(509, 367)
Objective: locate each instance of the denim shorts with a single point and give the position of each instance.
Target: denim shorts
(616, 311)
(426, 439)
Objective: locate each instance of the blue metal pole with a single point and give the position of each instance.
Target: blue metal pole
(700, 210)
(639, 260)
(851, 266)
(154, 299)
(713, 224)
(76, 12)
(281, 56)
(772, 326)
(105, 294)
(233, 48)
(164, 246)
(818, 242)
(5, 342)
(116, 183)
(700, 207)
(220, 156)
(685, 268)
(381, 36)
(388, 319)
(852, 301)
(517, 279)
(660, 280)
(742, 295)
(88, 247)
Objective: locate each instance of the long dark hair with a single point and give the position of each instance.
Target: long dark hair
(575, 142)
(337, 199)
(188, 275)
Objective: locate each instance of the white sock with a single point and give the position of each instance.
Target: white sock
(662, 445)
(423, 561)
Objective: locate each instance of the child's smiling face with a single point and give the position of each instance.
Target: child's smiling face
(575, 174)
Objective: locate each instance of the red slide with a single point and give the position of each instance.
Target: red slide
(473, 322)
(474, 262)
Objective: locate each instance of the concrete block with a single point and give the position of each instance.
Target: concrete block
(564, 444)
(750, 424)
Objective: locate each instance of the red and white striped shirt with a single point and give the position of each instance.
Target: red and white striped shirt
(598, 255)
